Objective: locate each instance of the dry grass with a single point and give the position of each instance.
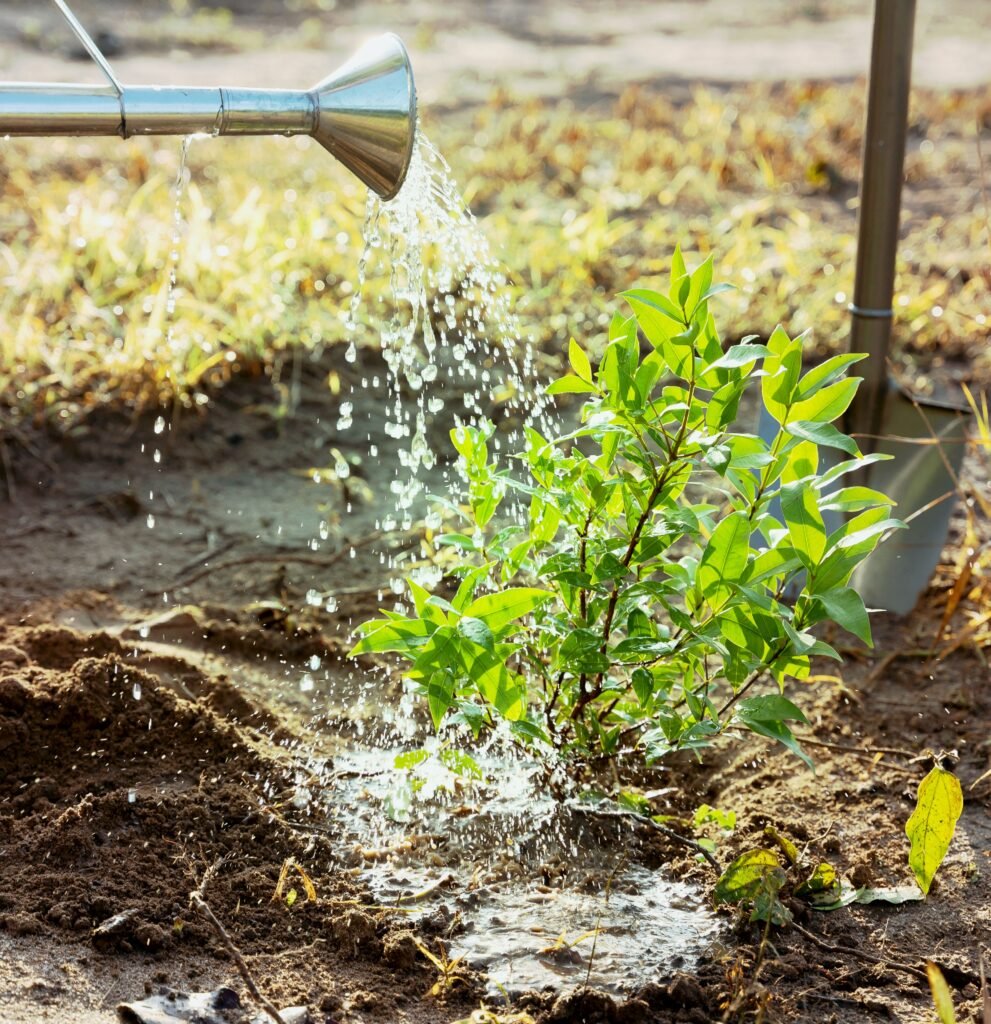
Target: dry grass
(579, 206)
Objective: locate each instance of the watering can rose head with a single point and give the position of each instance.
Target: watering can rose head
(666, 579)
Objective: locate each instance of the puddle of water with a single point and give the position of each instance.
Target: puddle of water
(530, 891)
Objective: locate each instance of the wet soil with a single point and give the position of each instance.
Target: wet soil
(153, 733)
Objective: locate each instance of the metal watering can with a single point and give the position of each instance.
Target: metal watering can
(364, 113)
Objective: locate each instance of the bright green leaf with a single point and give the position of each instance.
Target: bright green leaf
(804, 522)
(744, 878)
(499, 609)
(828, 404)
(579, 361)
(571, 386)
(823, 434)
(724, 559)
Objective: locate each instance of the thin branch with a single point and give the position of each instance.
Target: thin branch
(306, 558)
(197, 901)
(858, 954)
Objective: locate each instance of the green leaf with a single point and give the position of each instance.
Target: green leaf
(828, 404)
(468, 586)
(461, 764)
(825, 373)
(804, 522)
(705, 813)
(932, 824)
(746, 876)
(499, 609)
(440, 696)
(780, 732)
(579, 361)
(571, 386)
(770, 708)
(853, 499)
(724, 559)
(781, 374)
(822, 880)
(740, 355)
(476, 631)
(787, 847)
(823, 434)
(410, 759)
(385, 635)
(942, 999)
(643, 684)
(846, 608)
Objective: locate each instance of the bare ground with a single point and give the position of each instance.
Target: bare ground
(138, 752)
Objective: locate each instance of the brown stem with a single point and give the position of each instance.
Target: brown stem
(197, 901)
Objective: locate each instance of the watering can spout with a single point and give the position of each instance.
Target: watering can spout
(364, 113)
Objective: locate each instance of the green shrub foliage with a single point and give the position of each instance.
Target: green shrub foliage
(664, 583)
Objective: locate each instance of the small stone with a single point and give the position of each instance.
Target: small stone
(585, 1005)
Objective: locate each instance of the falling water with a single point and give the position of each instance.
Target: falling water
(453, 331)
(168, 322)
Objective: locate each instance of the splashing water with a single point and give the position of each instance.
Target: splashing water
(453, 329)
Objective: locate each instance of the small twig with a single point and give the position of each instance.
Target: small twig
(324, 561)
(415, 897)
(196, 900)
(619, 812)
(868, 751)
(858, 954)
(214, 552)
(985, 991)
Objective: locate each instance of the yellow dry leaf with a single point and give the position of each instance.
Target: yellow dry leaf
(932, 824)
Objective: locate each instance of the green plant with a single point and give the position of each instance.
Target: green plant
(666, 565)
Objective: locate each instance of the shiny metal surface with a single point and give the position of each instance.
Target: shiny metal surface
(364, 113)
(89, 46)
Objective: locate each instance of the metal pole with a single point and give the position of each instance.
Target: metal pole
(880, 206)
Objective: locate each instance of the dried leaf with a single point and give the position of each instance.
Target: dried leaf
(932, 824)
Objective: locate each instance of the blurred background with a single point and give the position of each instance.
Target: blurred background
(589, 141)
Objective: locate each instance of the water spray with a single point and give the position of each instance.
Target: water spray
(364, 113)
